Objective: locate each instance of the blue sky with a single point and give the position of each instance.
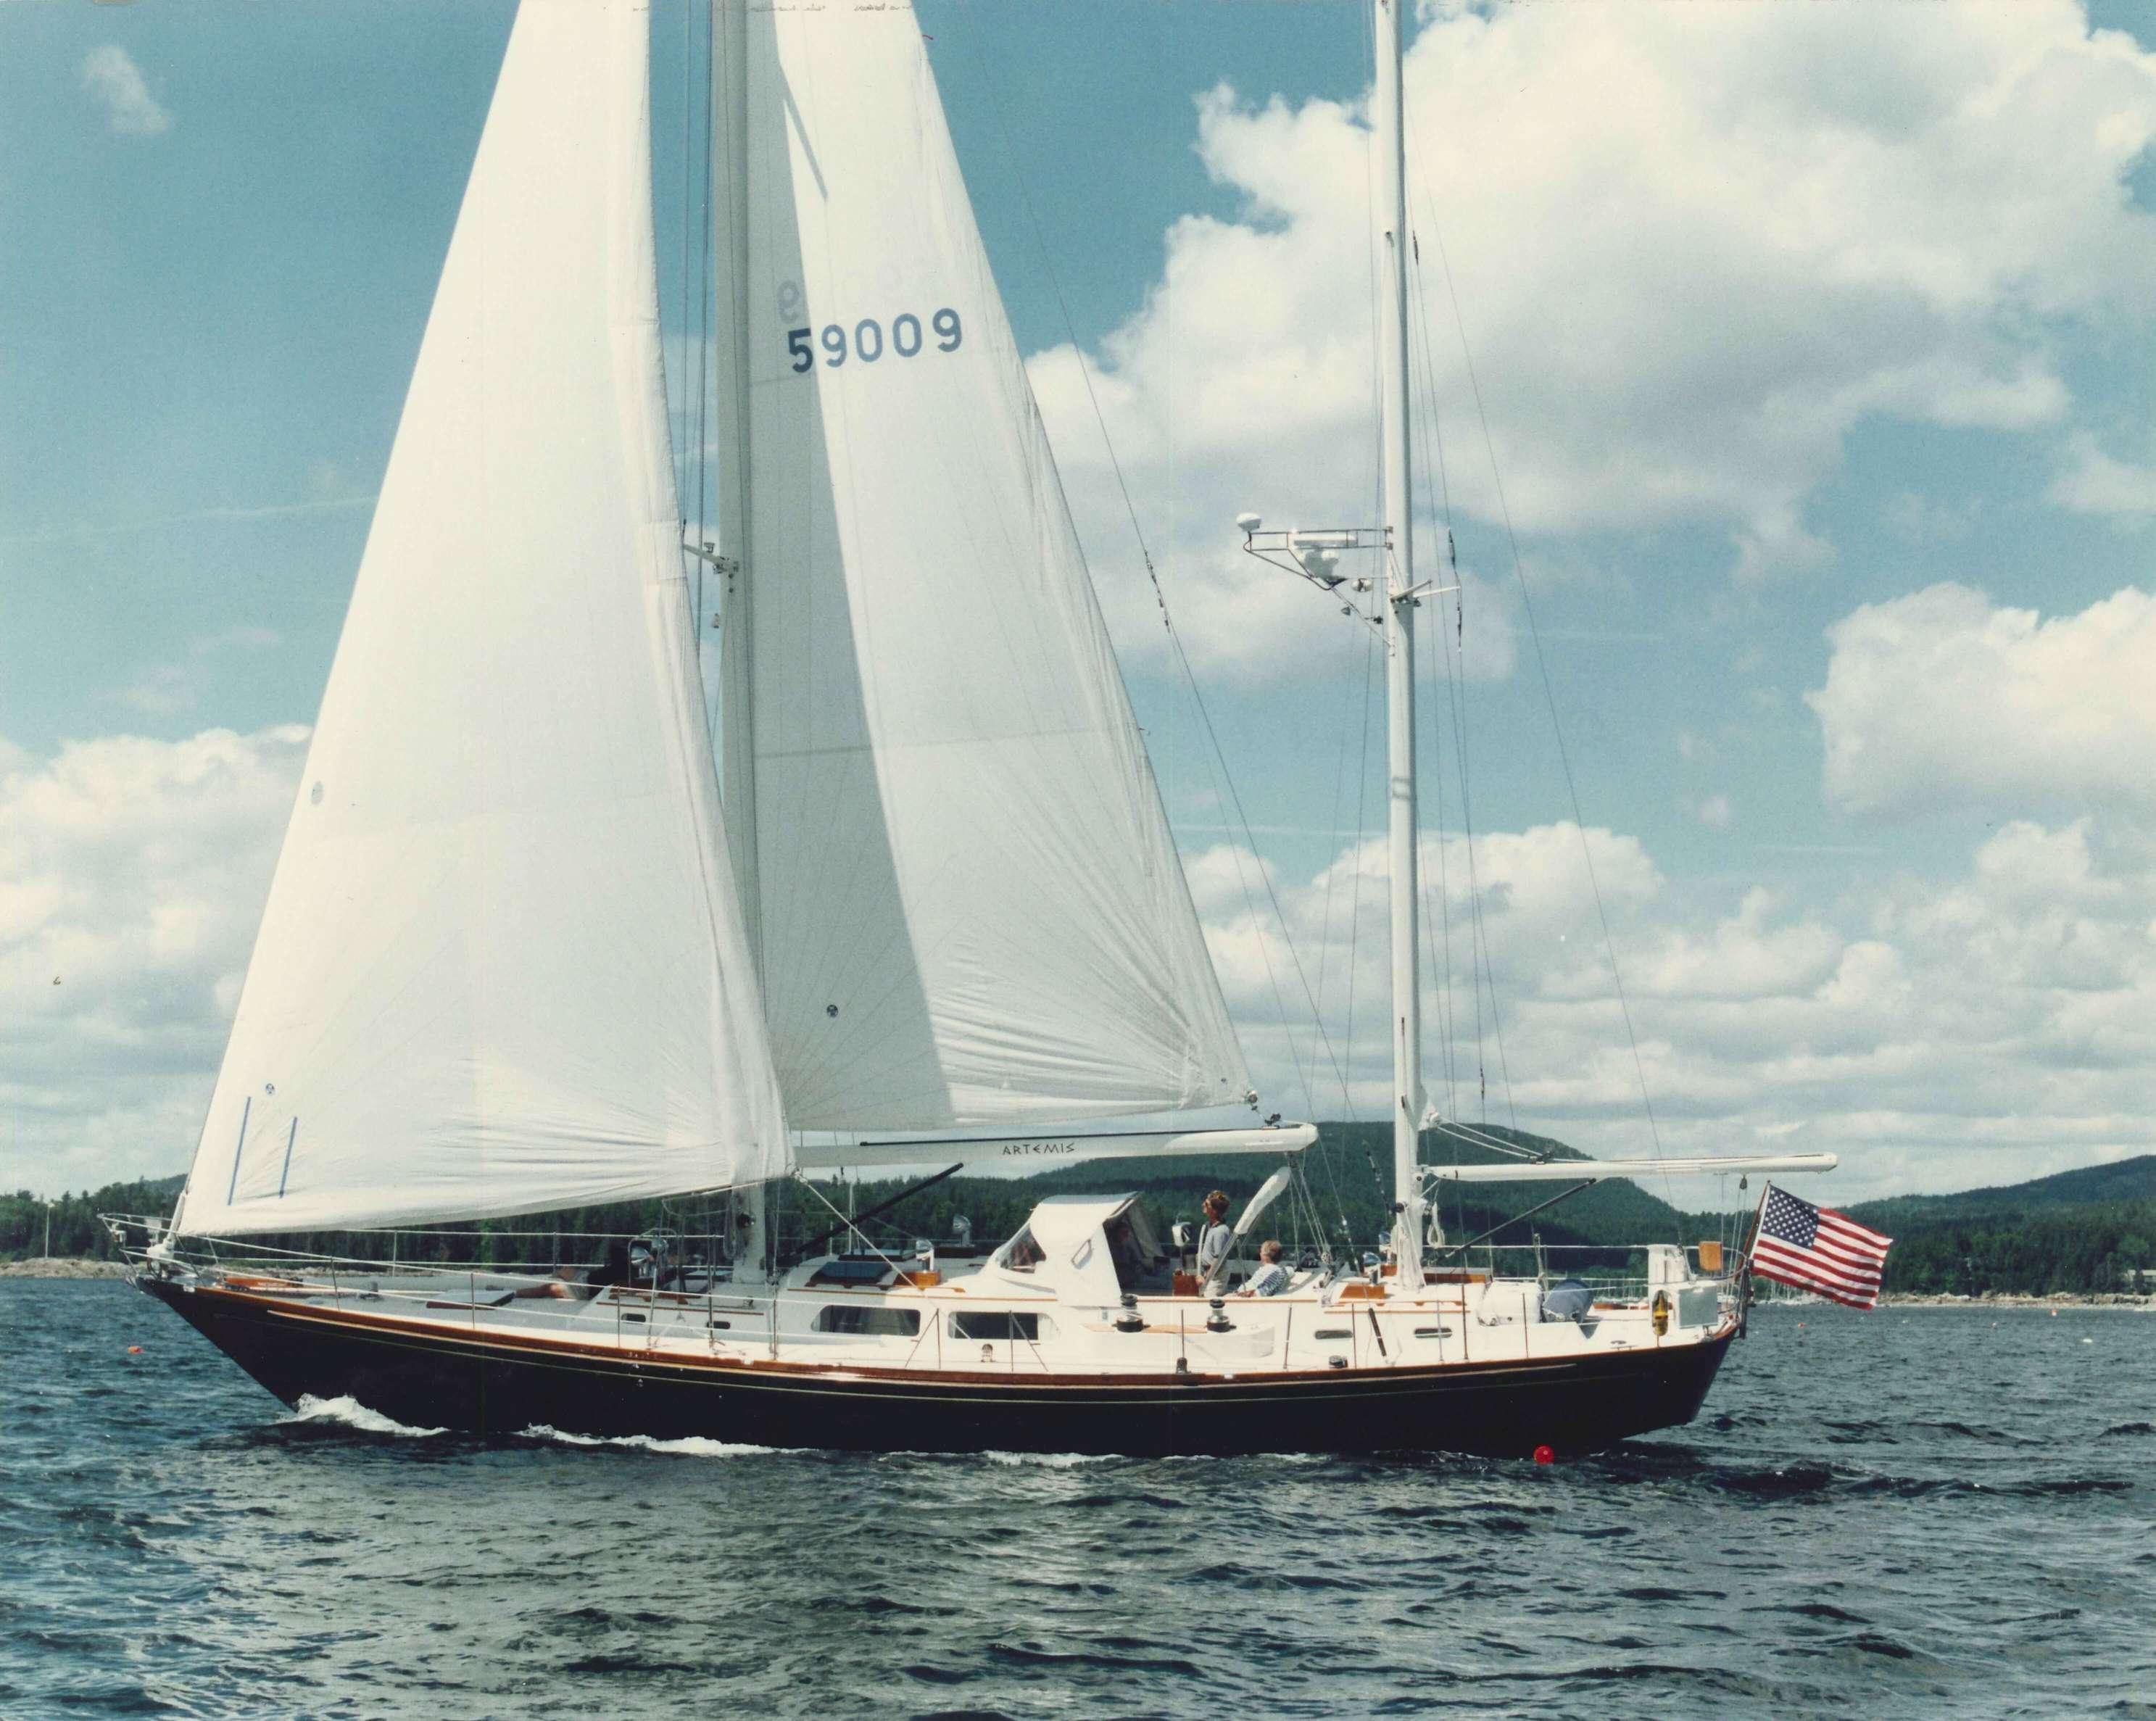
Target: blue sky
(1814, 346)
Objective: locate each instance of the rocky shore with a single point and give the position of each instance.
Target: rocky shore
(60, 1267)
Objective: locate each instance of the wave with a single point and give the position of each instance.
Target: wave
(689, 1446)
(1989, 1437)
(1072, 1460)
(345, 1411)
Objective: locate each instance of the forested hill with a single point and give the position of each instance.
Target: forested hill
(2093, 1229)
(75, 1231)
(2121, 1180)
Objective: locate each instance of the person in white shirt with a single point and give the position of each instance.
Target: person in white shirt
(1271, 1278)
(1214, 1238)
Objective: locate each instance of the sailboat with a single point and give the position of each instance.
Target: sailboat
(534, 942)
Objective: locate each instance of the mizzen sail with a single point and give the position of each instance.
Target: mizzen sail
(502, 968)
(970, 905)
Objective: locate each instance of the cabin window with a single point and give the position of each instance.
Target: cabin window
(1021, 1254)
(868, 1321)
(1001, 1324)
(1141, 1264)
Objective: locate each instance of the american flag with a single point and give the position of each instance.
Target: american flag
(1817, 1249)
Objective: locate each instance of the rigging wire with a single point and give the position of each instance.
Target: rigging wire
(1542, 665)
(1440, 657)
(1440, 507)
(1355, 902)
(1339, 801)
(718, 90)
(688, 189)
(727, 84)
(705, 164)
(1361, 837)
(1482, 967)
(1542, 660)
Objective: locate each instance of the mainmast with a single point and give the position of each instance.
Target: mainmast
(1399, 607)
(1314, 555)
(728, 96)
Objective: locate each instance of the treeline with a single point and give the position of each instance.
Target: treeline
(2100, 1247)
(75, 1231)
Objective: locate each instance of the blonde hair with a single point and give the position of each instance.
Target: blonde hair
(1217, 1200)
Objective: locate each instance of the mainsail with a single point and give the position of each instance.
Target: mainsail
(969, 906)
(502, 968)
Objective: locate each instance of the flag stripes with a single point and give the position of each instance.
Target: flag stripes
(1817, 1249)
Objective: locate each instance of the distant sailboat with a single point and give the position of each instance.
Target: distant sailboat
(529, 946)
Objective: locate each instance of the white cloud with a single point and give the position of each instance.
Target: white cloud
(1694, 247)
(132, 873)
(1941, 698)
(162, 689)
(2093, 482)
(113, 79)
(1936, 1033)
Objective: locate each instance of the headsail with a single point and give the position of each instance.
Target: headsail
(972, 911)
(501, 968)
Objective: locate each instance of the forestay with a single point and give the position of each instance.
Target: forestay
(970, 909)
(501, 968)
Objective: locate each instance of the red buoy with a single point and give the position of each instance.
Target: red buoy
(1545, 1455)
(134, 1350)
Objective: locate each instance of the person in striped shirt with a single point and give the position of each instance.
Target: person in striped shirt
(1271, 1278)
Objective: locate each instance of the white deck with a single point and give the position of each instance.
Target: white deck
(1064, 1314)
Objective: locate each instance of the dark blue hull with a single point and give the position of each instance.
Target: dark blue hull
(501, 1385)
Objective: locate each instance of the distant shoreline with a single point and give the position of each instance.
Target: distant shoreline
(62, 1266)
(2019, 1299)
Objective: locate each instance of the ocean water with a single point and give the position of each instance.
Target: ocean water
(1916, 1513)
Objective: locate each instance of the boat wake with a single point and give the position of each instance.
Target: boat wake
(694, 1445)
(346, 1411)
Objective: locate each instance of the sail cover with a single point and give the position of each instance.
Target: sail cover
(501, 968)
(970, 908)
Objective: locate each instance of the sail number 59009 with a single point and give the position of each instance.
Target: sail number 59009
(867, 342)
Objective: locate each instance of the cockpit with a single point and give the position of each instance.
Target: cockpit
(1142, 1265)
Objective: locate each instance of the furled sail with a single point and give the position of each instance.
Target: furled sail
(970, 908)
(502, 968)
